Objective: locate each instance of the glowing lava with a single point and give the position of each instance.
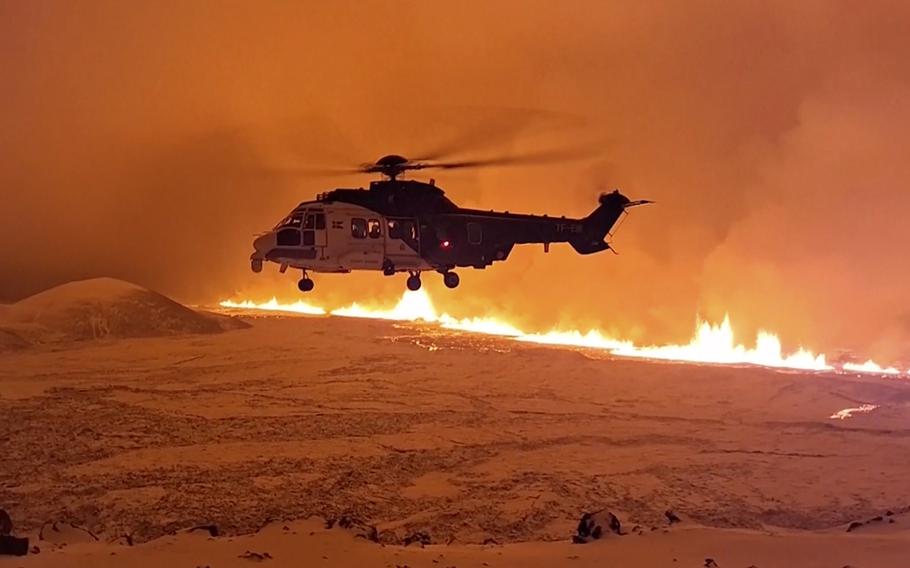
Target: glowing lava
(716, 344)
(870, 367)
(413, 306)
(417, 306)
(848, 412)
(274, 306)
(710, 344)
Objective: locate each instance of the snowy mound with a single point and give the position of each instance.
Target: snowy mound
(104, 308)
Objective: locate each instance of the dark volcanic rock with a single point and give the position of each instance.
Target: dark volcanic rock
(420, 538)
(6, 523)
(358, 527)
(211, 529)
(672, 517)
(594, 526)
(255, 556)
(125, 539)
(12, 546)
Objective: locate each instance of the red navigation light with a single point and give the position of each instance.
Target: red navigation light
(445, 244)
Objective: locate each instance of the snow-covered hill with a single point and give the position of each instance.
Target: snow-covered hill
(101, 308)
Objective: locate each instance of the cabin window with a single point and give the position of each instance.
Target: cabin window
(406, 230)
(403, 229)
(309, 238)
(320, 221)
(358, 228)
(475, 233)
(374, 228)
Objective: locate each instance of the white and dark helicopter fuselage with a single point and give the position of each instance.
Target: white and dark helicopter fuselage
(320, 236)
(410, 226)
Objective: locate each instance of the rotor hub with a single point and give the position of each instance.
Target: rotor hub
(391, 165)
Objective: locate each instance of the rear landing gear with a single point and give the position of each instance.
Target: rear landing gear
(414, 281)
(450, 279)
(305, 284)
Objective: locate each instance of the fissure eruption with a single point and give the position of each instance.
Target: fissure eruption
(711, 343)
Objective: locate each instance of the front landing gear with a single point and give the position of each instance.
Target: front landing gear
(414, 281)
(450, 279)
(305, 284)
(388, 267)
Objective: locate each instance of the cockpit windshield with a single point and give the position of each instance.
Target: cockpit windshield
(294, 220)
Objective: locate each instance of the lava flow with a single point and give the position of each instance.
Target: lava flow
(712, 343)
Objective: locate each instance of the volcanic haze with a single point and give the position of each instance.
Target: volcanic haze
(147, 141)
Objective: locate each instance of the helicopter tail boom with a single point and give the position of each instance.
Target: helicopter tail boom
(599, 223)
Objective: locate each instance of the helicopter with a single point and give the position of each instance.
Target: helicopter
(403, 225)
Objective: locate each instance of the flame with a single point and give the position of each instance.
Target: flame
(870, 366)
(711, 343)
(273, 305)
(413, 306)
(417, 306)
(592, 339)
(480, 325)
(716, 344)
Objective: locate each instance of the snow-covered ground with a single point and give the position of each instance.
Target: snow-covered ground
(466, 438)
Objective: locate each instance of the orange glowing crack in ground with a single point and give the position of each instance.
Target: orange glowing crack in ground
(712, 343)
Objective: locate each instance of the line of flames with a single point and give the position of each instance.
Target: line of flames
(712, 343)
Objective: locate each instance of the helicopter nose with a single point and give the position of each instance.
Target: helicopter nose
(263, 244)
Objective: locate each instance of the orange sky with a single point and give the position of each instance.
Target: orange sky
(773, 134)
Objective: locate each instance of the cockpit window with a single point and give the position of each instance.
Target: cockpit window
(295, 219)
(288, 237)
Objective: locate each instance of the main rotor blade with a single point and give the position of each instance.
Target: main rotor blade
(303, 171)
(493, 127)
(565, 155)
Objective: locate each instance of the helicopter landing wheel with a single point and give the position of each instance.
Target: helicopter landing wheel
(414, 282)
(305, 284)
(388, 268)
(450, 279)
